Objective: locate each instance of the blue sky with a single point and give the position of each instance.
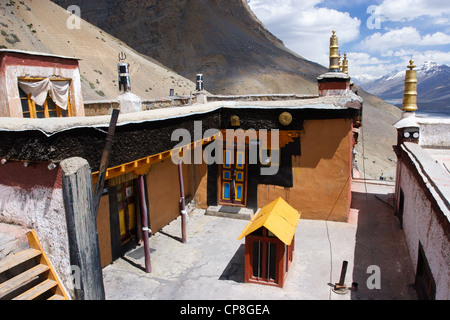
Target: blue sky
(379, 36)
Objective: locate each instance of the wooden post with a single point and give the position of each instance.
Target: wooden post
(105, 160)
(82, 228)
(145, 229)
(182, 203)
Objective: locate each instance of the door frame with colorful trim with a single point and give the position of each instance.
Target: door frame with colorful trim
(233, 178)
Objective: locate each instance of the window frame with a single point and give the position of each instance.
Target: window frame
(32, 110)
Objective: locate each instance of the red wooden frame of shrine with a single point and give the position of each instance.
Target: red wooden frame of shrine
(262, 264)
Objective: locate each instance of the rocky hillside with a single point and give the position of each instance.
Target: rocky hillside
(41, 26)
(375, 154)
(237, 55)
(226, 43)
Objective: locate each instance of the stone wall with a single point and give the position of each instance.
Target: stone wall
(32, 198)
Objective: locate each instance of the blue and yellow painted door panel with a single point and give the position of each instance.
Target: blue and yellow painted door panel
(233, 178)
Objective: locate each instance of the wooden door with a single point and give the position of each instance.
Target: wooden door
(233, 178)
(126, 202)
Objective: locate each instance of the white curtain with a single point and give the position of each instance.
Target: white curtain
(58, 91)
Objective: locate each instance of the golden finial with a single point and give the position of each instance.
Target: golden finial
(411, 64)
(410, 95)
(345, 64)
(334, 53)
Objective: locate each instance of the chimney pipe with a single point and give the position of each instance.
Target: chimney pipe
(200, 82)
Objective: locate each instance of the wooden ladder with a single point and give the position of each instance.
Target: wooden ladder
(28, 275)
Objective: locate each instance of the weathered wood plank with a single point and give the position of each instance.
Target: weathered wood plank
(19, 280)
(43, 259)
(82, 228)
(37, 290)
(18, 258)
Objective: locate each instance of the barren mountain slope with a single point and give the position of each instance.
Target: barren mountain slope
(40, 25)
(228, 44)
(221, 39)
(375, 154)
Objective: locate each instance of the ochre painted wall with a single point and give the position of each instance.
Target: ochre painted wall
(322, 174)
(201, 181)
(104, 231)
(164, 192)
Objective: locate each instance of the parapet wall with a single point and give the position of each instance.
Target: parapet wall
(105, 107)
(435, 132)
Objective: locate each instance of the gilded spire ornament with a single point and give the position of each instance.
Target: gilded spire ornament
(410, 95)
(345, 64)
(334, 53)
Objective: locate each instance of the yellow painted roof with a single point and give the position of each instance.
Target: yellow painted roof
(278, 217)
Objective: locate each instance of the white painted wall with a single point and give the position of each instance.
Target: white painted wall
(434, 132)
(10, 102)
(420, 223)
(42, 209)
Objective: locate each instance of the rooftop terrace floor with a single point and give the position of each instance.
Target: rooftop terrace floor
(210, 266)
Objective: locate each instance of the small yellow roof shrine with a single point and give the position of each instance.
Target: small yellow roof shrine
(278, 217)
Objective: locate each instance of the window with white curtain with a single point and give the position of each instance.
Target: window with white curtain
(45, 98)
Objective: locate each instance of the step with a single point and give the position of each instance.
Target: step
(37, 290)
(230, 212)
(56, 297)
(12, 261)
(19, 280)
(13, 239)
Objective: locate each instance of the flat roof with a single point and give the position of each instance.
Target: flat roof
(42, 54)
(435, 175)
(51, 126)
(442, 156)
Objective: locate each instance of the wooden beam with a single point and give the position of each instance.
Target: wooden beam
(152, 159)
(104, 161)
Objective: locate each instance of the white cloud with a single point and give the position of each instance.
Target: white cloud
(379, 42)
(437, 38)
(364, 66)
(305, 28)
(420, 57)
(404, 37)
(402, 10)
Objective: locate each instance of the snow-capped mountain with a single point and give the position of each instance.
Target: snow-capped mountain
(433, 87)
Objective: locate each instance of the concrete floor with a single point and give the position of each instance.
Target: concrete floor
(210, 266)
